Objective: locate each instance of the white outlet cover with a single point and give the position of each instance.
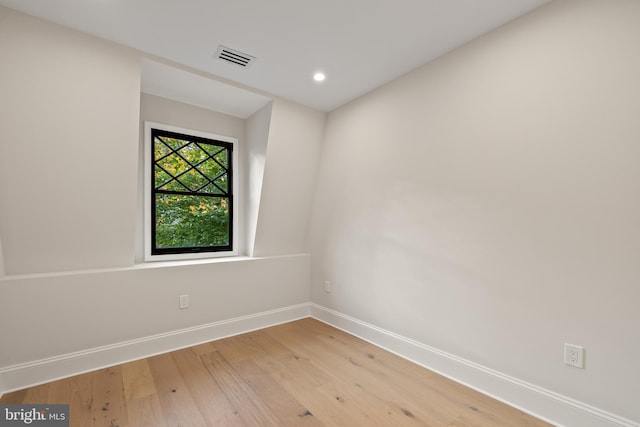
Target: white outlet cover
(574, 355)
(184, 301)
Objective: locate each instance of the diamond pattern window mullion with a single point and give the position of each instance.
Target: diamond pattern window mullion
(192, 167)
(192, 193)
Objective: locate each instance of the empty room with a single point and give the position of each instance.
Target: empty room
(336, 213)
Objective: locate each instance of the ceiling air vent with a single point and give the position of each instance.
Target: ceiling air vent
(234, 57)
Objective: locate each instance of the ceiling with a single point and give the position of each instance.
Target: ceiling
(358, 44)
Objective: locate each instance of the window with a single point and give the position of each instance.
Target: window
(190, 210)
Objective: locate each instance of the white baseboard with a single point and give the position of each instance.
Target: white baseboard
(24, 375)
(541, 403)
(544, 404)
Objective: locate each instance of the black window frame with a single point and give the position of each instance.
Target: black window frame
(229, 194)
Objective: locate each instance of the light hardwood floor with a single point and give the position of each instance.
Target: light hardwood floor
(303, 373)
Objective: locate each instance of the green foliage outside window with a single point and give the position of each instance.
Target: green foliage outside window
(191, 221)
(191, 192)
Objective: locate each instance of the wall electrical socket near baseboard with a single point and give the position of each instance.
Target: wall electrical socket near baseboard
(574, 355)
(184, 302)
(327, 286)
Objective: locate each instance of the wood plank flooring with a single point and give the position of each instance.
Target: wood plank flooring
(303, 373)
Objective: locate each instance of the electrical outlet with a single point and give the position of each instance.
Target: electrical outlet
(574, 355)
(327, 286)
(184, 302)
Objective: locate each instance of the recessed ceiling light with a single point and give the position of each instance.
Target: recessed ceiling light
(319, 77)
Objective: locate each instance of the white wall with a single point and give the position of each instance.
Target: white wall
(54, 315)
(69, 109)
(69, 174)
(1, 259)
(488, 203)
(257, 131)
(292, 157)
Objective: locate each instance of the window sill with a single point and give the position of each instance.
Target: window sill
(184, 262)
(140, 266)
